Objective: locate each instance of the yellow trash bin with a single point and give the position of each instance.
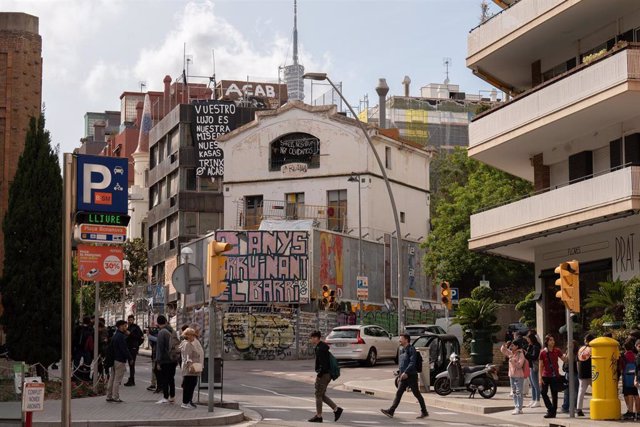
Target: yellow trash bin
(605, 404)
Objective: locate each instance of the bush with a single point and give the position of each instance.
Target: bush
(632, 303)
(596, 325)
(482, 292)
(528, 309)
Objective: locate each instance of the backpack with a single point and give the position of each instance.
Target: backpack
(629, 374)
(334, 368)
(109, 356)
(418, 361)
(526, 369)
(174, 348)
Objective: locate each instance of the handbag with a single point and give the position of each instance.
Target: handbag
(561, 381)
(196, 367)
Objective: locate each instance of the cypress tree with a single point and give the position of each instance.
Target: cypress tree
(31, 285)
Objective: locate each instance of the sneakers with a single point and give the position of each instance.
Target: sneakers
(548, 415)
(109, 399)
(117, 401)
(129, 383)
(628, 416)
(387, 413)
(516, 411)
(424, 414)
(193, 405)
(172, 400)
(535, 404)
(315, 419)
(187, 406)
(151, 388)
(337, 413)
(162, 401)
(580, 413)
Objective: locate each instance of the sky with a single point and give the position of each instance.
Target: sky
(93, 50)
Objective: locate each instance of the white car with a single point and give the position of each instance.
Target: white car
(365, 343)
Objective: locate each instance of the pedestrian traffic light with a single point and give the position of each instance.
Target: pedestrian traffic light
(569, 283)
(445, 293)
(216, 271)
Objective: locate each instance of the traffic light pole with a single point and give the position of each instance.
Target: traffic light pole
(570, 361)
(210, 376)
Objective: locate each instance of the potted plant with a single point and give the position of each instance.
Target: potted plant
(478, 317)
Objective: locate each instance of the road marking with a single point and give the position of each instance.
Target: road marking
(365, 422)
(445, 413)
(276, 410)
(363, 412)
(277, 394)
(306, 408)
(272, 419)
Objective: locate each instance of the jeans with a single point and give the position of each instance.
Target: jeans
(166, 379)
(582, 390)
(322, 381)
(565, 400)
(517, 389)
(132, 366)
(188, 386)
(551, 404)
(412, 382)
(113, 388)
(535, 384)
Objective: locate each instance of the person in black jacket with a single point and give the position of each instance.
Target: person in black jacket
(135, 338)
(323, 366)
(408, 377)
(533, 356)
(120, 357)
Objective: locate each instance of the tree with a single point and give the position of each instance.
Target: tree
(32, 281)
(470, 186)
(609, 297)
(528, 309)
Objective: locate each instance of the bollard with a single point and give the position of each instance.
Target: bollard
(605, 404)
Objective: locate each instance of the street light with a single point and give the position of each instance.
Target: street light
(323, 76)
(356, 178)
(126, 265)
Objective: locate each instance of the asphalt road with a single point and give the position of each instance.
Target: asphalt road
(280, 393)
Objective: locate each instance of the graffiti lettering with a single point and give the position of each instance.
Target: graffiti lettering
(258, 336)
(624, 253)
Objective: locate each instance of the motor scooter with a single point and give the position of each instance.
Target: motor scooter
(482, 379)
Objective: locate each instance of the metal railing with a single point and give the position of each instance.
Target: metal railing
(332, 217)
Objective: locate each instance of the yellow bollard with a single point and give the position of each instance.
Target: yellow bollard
(605, 404)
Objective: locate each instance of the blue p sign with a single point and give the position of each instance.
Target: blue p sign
(455, 296)
(102, 184)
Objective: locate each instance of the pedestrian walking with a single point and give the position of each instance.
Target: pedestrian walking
(408, 362)
(192, 364)
(152, 338)
(628, 368)
(135, 338)
(323, 369)
(550, 374)
(518, 371)
(121, 355)
(533, 356)
(584, 372)
(166, 346)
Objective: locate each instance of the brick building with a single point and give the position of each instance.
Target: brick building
(20, 95)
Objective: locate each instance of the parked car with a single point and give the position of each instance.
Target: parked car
(364, 343)
(416, 330)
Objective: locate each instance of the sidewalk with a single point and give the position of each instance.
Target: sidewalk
(498, 407)
(139, 409)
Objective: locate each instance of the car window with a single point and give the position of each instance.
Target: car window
(343, 333)
(422, 342)
(415, 331)
(369, 332)
(382, 333)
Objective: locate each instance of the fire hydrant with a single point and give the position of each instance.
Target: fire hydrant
(605, 404)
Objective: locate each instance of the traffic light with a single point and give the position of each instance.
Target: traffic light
(216, 271)
(569, 283)
(326, 295)
(445, 293)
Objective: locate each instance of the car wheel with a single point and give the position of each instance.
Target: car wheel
(372, 357)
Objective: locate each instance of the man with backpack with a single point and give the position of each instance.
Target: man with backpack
(408, 362)
(326, 368)
(167, 356)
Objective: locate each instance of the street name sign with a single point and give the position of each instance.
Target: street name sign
(90, 233)
(102, 184)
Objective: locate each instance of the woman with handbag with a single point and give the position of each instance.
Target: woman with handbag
(192, 364)
(550, 375)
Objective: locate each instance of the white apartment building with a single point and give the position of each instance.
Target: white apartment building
(572, 68)
(295, 162)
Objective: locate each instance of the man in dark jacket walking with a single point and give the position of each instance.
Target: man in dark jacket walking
(135, 337)
(408, 378)
(323, 367)
(120, 357)
(165, 367)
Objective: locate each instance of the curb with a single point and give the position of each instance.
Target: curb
(233, 418)
(461, 405)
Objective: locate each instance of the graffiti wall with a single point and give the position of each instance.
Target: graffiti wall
(266, 266)
(331, 261)
(260, 336)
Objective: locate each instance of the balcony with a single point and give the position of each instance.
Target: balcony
(503, 49)
(325, 217)
(511, 229)
(580, 102)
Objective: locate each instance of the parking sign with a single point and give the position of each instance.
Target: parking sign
(103, 184)
(455, 296)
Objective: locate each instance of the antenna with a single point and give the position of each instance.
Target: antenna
(447, 63)
(212, 79)
(295, 32)
(143, 85)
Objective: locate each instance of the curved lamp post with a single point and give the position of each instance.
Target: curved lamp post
(323, 76)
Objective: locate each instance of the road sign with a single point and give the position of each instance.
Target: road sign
(102, 184)
(455, 296)
(193, 284)
(484, 283)
(33, 397)
(100, 263)
(362, 283)
(102, 219)
(90, 233)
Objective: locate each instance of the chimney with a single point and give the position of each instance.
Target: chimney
(98, 131)
(406, 82)
(139, 114)
(382, 90)
(166, 100)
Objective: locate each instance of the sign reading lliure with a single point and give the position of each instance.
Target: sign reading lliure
(210, 120)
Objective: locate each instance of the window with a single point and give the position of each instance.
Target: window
(172, 184)
(162, 232)
(190, 179)
(337, 210)
(295, 205)
(190, 224)
(154, 200)
(153, 238)
(172, 229)
(295, 148)
(208, 222)
(153, 157)
(208, 184)
(387, 157)
(252, 211)
(174, 140)
(581, 166)
(402, 217)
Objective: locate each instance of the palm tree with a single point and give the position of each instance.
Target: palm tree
(610, 297)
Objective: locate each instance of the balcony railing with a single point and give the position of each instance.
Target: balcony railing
(619, 65)
(558, 205)
(332, 218)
